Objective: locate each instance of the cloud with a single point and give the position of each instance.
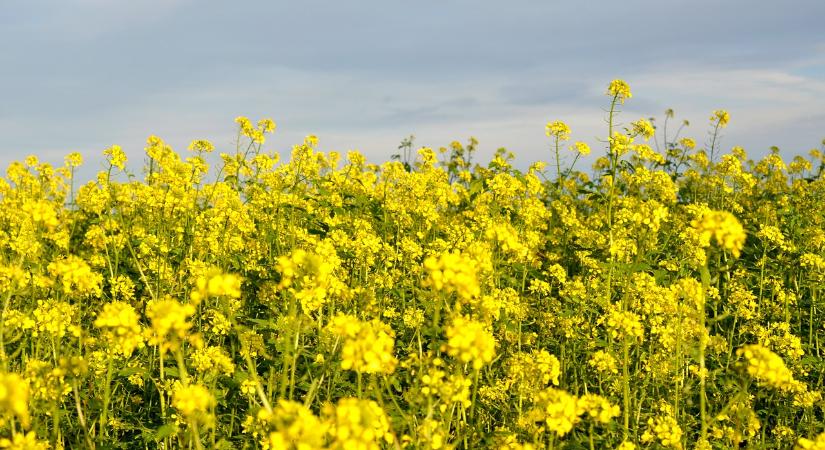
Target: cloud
(768, 106)
(89, 73)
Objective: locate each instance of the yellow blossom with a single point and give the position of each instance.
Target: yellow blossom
(192, 400)
(295, 427)
(619, 90)
(120, 321)
(766, 367)
(723, 227)
(357, 424)
(452, 272)
(216, 284)
(201, 145)
(720, 117)
(817, 443)
(559, 130)
(24, 441)
(367, 346)
(470, 342)
(170, 321)
(643, 128)
(116, 156)
(74, 159)
(14, 397)
(581, 148)
(76, 276)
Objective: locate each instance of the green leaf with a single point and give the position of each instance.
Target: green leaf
(164, 431)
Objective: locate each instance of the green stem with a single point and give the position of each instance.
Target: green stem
(80, 416)
(2, 330)
(705, 273)
(107, 393)
(294, 363)
(626, 386)
(475, 391)
(558, 163)
(611, 193)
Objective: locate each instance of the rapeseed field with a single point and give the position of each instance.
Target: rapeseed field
(669, 297)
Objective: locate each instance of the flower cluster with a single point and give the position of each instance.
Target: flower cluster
(669, 296)
(453, 272)
(121, 326)
(367, 346)
(470, 342)
(722, 227)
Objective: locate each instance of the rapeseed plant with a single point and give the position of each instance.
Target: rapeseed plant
(229, 298)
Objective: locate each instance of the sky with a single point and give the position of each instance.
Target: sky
(81, 75)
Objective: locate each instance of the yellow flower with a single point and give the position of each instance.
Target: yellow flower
(702, 444)
(357, 424)
(532, 371)
(431, 435)
(510, 442)
(120, 321)
(216, 284)
(598, 408)
(212, 360)
(192, 400)
(469, 341)
(561, 410)
(687, 143)
(201, 145)
(367, 346)
(170, 321)
(310, 277)
(721, 117)
(619, 90)
(46, 382)
(623, 324)
(218, 323)
(14, 397)
(54, 318)
(452, 272)
(295, 427)
(646, 153)
(581, 148)
(245, 125)
(249, 388)
(266, 125)
(767, 367)
(255, 134)
(74, 159)
(20, 441)
(721, 226)
(76, 276)
(559, 130)
(41, 212)
(817, 443)
(620, 144)
(665, 429)
(603, 362)
(643, 128)
(116, 156)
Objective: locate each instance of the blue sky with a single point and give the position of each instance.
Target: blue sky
(81, 75)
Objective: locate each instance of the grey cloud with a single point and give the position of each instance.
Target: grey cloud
(88, 73)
